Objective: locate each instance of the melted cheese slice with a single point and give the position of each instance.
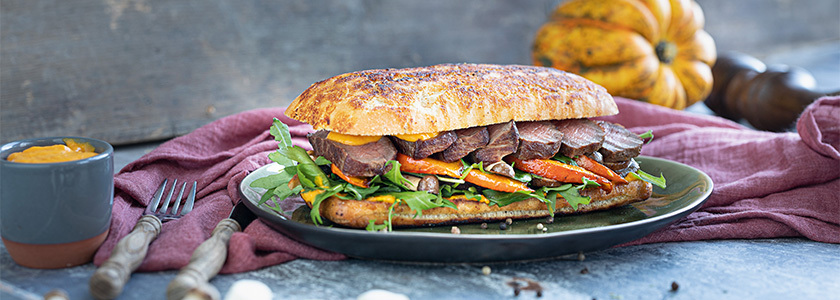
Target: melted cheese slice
(352, 140)
(417, 136)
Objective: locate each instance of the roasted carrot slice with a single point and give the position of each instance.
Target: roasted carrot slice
(559, 171)
(495, 182)
(429, 166)
(354, 180)
(597, 168)
(438, 167)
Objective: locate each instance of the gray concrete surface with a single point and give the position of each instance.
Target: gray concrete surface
(734, 269)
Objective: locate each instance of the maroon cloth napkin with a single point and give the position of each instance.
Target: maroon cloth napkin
(766, 184)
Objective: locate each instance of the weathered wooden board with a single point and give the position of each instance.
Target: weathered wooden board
(129, 71)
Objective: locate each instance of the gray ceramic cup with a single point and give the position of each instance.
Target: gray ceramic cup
(55, 215)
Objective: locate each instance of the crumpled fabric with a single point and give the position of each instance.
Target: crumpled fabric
(767, 185)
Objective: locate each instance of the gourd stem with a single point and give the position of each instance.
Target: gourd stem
(666, 51)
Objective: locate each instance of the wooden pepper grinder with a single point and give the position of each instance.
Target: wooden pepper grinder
(769, 98)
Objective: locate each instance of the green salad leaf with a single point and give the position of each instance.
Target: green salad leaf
(657, 181)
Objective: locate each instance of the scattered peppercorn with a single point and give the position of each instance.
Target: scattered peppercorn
(456, 230)
(509, 221)
(540, 226)
(581, 257)
(503, 226)
(585, 270)
(483, 225)
(486, 270)
(549, 220)
(674, 286)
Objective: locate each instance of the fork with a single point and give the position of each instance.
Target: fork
(109, 279)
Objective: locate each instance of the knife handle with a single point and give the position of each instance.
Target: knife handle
(206, 261)
(110, 278)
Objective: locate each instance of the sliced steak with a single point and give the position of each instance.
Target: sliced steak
(619, 143)
(580, 136)
(503, 140)
(364, 160)
(538, 139)
(421, 149)
(468, 140)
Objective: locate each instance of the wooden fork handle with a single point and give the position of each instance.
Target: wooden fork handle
(108, 281)
(205, 262)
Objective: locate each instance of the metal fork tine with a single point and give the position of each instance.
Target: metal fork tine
(178, 200)
(188, 206)
(152, 207)
(165, 206)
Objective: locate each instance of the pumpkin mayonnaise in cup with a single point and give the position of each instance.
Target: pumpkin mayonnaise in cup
(55, 200)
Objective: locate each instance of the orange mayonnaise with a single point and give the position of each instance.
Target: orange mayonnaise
(56, 153)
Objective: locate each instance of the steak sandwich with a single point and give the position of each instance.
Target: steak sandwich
(456, 143)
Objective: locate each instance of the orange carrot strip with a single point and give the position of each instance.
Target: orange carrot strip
(595, 167)
(429, 166)
(559, 171)
(354, 180)
(453, 169)
(495, 182)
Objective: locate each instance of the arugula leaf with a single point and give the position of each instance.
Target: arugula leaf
(573, 197)
(447, 191)
(309, 173)
(322, 161)
(502, 198)
(315, 213)
(372, 227)
(359, 193)
(646, 135)
(272, 181)
(564, 159)
(657, 181)
(522, 176)
(393, 175)
(288, 154)
(277, 186)
(418, 201)
(471, 193)
(280, 131)
(547, 195)
(280, 159)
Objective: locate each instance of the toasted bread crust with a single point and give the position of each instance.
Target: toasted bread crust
(446, 97)
(354, 213)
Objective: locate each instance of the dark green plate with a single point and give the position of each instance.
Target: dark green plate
(688, 188)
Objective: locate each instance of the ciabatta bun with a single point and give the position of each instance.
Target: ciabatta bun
(446, 97)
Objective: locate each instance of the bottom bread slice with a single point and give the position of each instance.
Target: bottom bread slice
(356, 214)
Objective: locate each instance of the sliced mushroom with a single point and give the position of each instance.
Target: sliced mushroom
(415, 181)
(501, 168)
(542, 181)
(429, 183)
